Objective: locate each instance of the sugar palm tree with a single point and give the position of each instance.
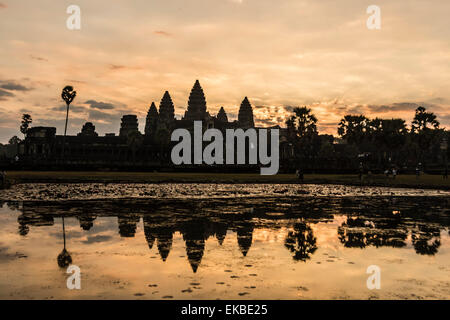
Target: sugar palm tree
(68, 94)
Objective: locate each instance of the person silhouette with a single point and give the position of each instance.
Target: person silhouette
(299, 174)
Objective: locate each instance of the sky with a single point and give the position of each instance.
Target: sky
(281, 54)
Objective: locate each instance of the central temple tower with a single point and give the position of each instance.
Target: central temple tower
(245, 116)
(196, 105)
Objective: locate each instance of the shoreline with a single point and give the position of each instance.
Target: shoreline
(56, 177)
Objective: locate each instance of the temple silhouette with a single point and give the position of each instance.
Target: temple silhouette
(131, 149)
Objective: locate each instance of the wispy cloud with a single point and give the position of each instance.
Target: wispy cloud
(100, 105)
(37, 58)
(73, 108)
(5, 94)
(162, 33)
(13, 86)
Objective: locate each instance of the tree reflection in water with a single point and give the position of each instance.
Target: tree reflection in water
(64, 258)
(301, 242)
(426, 240)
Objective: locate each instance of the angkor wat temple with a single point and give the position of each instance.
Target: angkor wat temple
(131, 149)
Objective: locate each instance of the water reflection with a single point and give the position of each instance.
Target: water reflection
(64, 258)
(377, 222)
(426, 239)
(301, 241)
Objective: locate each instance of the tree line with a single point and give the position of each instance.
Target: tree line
(376, 144)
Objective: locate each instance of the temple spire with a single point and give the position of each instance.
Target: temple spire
(245, 117)
(197, 104)
(152, 120)
(222, 115)
(166, 108)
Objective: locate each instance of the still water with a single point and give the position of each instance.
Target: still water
(313, 244)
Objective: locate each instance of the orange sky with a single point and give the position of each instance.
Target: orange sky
(278, 53)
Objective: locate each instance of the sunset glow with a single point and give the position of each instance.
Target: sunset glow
(278, 53)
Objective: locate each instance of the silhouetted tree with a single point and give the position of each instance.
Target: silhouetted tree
(14, 140)
(302, 130)
(303, 122)
(425, 134)
(353, 128)
(68, 94)
(388, 135)
(422, 119)
(26, 121)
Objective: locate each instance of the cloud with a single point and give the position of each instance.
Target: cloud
(100, 115)
(13, 86)
(73, 108)
(100, 105)
(38, 58)
(97, 238)
(162, 33)
(116, 67)
(5, 94)
(266, 122)
(75, 81)
(6, 118)
(402, 106)
(288, 108)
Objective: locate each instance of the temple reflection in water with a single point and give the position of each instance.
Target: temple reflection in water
(395, 223)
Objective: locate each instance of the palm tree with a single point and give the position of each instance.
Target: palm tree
(26, 122)
(353, 128)
(68, 94)
(422, 118)
(303, 122)
(302, 130)
(425, 133)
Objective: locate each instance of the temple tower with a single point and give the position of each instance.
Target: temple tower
(166, 108)
(128, 125)
(197, 104)
(152, 120)
(88, 130)
(245, 117)
(222, 115)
